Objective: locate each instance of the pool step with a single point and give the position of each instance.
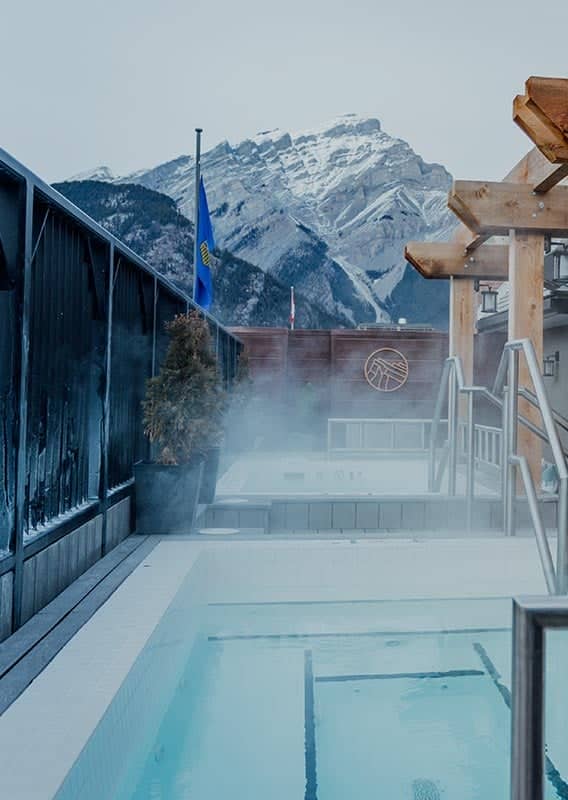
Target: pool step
(241, 515)
(377, 514)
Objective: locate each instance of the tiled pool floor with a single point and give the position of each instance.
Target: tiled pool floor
(56, 715)
(329, 718)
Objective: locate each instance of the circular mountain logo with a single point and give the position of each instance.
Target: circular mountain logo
(386, 370)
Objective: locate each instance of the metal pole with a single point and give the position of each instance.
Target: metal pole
(106, 406)
(512, 418)
(198, 132)
(504, 455)
(560, 461)
(434, 427)
(292, 308)
(154, 326)
(562, 540)
(22, 440)
(452, 431)
(527, 719)
(539, 529)
(470, 475)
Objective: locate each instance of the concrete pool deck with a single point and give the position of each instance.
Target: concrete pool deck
(55, 716)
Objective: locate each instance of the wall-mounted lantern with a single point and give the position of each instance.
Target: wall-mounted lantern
(551, 364)
(488, 297)
(556, 264)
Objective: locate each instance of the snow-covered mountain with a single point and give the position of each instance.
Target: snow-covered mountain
(328, 210)
(151, 225)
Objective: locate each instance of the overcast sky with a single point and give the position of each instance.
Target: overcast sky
(124, 83)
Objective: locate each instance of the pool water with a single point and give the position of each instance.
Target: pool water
(321, 701)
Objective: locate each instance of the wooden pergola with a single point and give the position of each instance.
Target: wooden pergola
(530, 203)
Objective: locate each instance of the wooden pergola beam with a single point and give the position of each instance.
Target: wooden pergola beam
(548, 99)
(534, 169)
(496, 208)
(438, 260)
(549, 140)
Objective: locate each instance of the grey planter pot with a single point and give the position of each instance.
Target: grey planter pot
(210, 472)
(167, 496)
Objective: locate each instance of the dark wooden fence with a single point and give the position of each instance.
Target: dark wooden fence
(81, 329)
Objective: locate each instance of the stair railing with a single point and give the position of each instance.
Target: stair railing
(452, 385)
(506, 384)
(509, 370)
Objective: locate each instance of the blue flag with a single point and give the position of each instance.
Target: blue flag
(203, 291)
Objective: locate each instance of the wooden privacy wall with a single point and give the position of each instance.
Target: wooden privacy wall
(333, 363)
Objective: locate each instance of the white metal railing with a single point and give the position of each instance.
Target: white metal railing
(452, 385)
(487, 445)
(377, 435)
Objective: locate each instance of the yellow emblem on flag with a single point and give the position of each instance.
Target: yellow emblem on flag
(204, 253)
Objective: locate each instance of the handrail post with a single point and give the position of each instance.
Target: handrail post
(452, 431)
(431, 460)
(527, 718)
(470, 473)
(538, 525)
(512, 415)
(560, 461)
(504, 454)
(562, 540)
(434, 428)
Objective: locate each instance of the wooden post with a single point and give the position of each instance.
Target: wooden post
(462, 330)
(526, 286)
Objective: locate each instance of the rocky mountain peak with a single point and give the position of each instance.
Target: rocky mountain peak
(328, 209)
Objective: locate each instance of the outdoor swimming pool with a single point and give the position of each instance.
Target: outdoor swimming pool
(324, 700)
(324, 474)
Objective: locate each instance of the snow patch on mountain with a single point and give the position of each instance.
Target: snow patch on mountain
(327, 209)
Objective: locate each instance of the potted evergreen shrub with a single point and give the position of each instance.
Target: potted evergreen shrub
(183, 415)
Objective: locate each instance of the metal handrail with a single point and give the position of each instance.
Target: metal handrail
(512, 349)
(436, 418)
(532, 399)
(453, 384)
(487, 439)
(539, 529)
(394, 424)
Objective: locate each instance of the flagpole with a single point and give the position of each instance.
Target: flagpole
(198, 132)
(292, 308)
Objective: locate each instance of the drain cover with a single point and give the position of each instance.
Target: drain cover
(230, 501)
(218, 531)
(424, 790)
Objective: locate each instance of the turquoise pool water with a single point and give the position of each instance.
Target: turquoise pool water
(321, 701)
